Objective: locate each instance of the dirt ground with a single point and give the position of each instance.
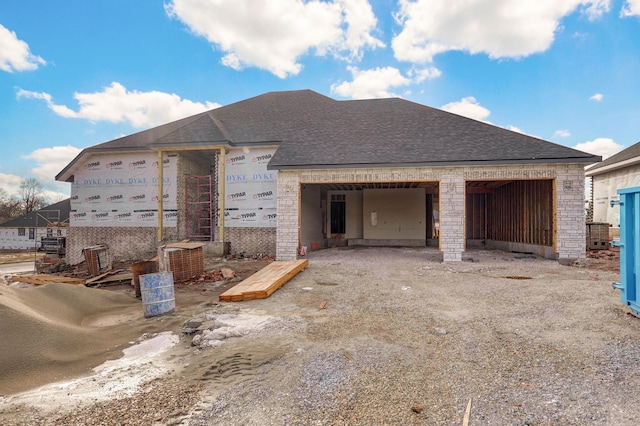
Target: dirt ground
(362, 336)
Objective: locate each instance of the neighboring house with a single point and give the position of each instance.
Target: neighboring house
(621, 170)
(26, 232)
(285, 172)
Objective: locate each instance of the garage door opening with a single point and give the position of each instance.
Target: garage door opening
(374, 214)
(511, 215)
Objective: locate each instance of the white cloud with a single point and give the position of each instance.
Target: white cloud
(425, 74)
(468, 107)
(597, 97)
(50, 161)
(273, 35)
(499, 28)
(360, 21)
(594, 9)
(516, 129)
(561, 133)
(630, 8)
(15, 54)
(377, 82)
(116, 104)
(10, 183)
(605, 147)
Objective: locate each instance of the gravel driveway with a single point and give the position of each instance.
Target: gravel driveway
(405, 339)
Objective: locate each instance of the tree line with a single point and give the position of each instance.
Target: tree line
(30, 198)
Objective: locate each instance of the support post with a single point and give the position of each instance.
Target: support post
(160, 195)
(221, 192)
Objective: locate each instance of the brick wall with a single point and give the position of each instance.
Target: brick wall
(124, 243)
(251, 241)
(452, 238)
(570, 213)
(288, 215)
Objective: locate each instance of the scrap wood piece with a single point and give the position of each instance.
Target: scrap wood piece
(185, 244)
(263, 283)
(467, 413)
(104, 274)
(42, 279)
(98, 277)
(113, 276)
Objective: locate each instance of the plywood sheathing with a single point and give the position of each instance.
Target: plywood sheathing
(264, 282)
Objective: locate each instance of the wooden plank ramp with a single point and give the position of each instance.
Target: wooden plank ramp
(264, 282)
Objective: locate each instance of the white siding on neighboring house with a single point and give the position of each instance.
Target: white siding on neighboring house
(605, 187)
(26, 238)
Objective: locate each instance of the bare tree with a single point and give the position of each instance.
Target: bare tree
(10, 206)
(32, 195)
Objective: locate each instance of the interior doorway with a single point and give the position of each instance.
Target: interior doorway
(338, 214)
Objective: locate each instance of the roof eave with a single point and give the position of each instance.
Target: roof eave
(581, 160)
(612, 167)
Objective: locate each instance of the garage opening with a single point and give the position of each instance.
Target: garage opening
(374, 214)
(511, 215)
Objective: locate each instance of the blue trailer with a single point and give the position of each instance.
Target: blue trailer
(629, 244)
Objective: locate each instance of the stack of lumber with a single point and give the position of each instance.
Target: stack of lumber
(42, 279)
(264, 282)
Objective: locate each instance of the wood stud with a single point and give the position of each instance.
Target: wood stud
(515, 211)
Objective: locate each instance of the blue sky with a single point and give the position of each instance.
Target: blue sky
(76, 73)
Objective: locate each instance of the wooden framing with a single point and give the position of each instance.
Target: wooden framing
(519, 211)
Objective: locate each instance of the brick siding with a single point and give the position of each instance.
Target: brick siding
(123, 243)
(252, 241)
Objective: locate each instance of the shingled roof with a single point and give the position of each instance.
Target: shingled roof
(314, 131)
(43, 217)
(626, 157)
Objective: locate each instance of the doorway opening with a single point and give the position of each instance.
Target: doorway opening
(338, 213)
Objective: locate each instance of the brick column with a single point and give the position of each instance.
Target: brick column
(288, 216)
(452, 239)
(570, 213)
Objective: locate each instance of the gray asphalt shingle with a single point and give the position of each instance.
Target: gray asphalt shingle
(313, 130)
(626, 154)
(40, 217)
